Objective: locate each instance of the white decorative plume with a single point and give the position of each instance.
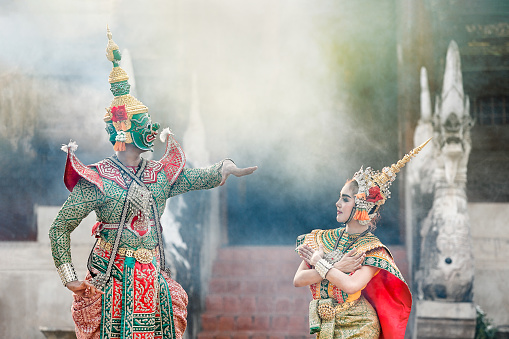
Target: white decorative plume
(164, 134)
(72, 146)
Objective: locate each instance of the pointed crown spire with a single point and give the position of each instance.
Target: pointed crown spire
(119, 84)
(123, 105)
(374, 186)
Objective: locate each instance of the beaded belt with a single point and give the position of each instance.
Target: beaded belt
(142, 255)
(328, 312)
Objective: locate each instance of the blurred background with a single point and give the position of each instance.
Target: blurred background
(307, 91)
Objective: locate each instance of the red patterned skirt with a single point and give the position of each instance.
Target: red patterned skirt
(139, 302)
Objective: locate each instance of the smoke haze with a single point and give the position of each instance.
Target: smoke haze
(304, 90)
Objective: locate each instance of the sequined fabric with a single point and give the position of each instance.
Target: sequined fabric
(386, 296)
(139, 301)
(86, 313)
(377, 255)
(87, 197)
(358, 321)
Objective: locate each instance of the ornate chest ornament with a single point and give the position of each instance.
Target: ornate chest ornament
(139, 197)
(333, 256)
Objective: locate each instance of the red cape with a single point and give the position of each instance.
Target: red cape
(392, 301)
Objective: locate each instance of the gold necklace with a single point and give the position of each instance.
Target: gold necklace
(335, 255)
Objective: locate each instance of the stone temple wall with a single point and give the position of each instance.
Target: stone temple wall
(32, 295)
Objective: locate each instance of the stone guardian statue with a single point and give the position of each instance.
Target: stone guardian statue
(446, 268)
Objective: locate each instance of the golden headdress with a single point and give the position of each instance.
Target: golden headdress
(374, 187)
(121, 125)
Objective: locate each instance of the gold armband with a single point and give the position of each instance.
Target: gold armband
(67, 273)
(323, 267)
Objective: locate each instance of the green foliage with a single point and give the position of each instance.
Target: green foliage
(483, 328)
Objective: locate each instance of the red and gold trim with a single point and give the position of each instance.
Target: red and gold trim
(75, 170)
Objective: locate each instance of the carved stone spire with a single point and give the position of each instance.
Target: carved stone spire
(446, 263)
(453, 79)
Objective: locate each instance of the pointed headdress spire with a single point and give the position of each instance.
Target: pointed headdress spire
(374, 186)
(119, 116)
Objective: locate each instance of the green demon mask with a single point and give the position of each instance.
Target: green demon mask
(127, 119)
(142, 132)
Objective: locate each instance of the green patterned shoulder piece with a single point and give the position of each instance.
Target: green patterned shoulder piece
(378, 255)
(326, 238)
(381, 257)
(300, 241)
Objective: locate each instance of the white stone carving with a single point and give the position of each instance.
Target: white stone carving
(446, 266)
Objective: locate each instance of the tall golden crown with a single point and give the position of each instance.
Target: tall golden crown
(118, 80)
(374, 186)
(122, 101)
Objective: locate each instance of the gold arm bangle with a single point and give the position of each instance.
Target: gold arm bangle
(323, 267)
(67, 273)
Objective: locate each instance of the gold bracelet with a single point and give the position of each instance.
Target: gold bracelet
(67, 273)
(323, 267)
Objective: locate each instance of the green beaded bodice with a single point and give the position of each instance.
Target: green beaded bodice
(86, 197)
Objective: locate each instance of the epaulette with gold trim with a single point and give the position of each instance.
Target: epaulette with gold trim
(75, 170)
(174, 159)
(368, 242)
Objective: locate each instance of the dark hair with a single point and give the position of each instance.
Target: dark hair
(354, 184)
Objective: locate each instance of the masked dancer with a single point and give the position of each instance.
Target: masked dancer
(127, 293)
